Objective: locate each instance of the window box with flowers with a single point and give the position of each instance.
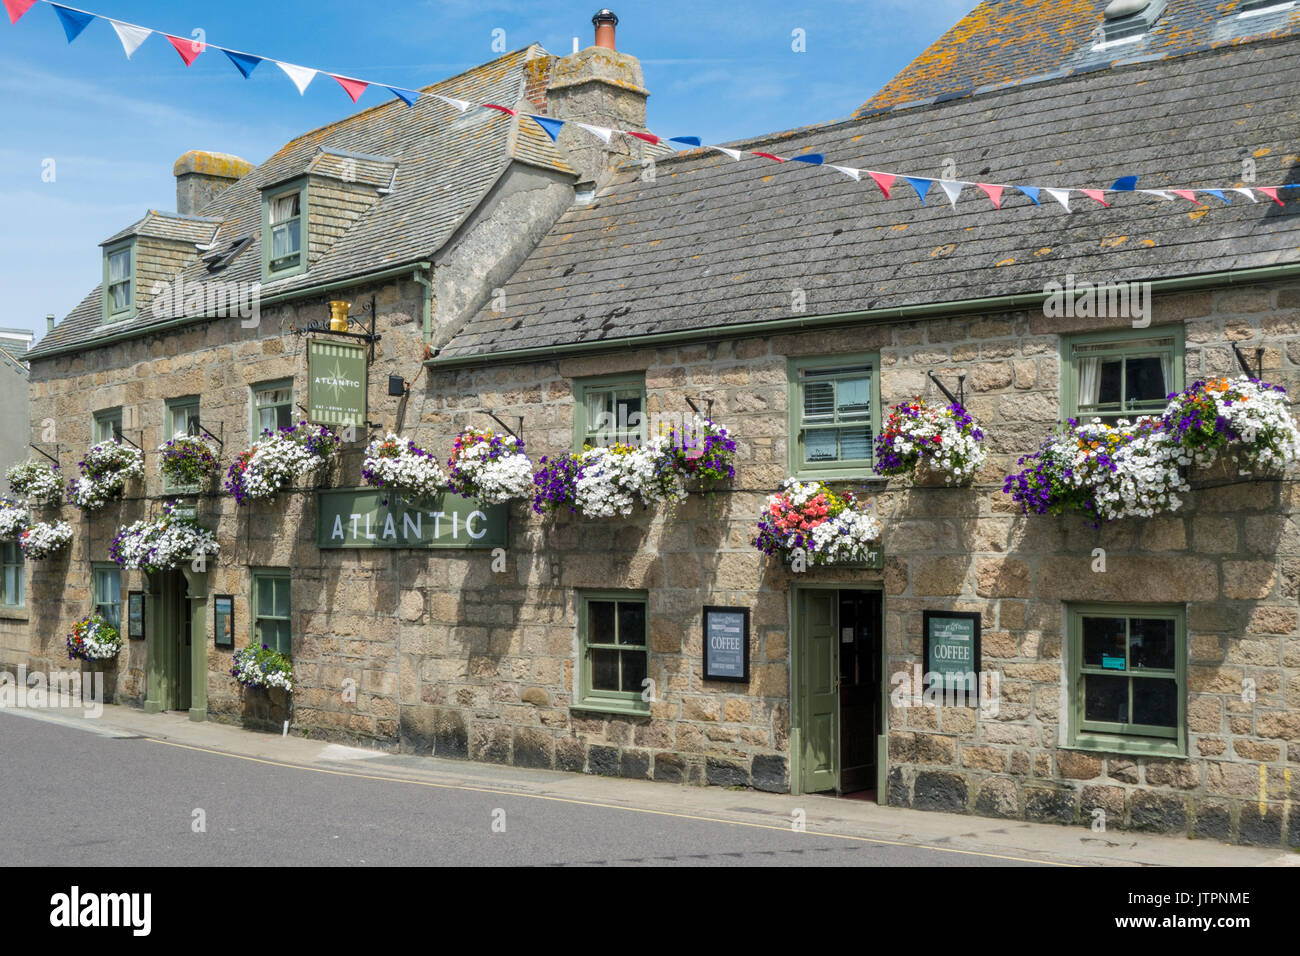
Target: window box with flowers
(162, 543)
(279, 459)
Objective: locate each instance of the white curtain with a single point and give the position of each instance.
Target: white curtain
(1089, 381)
(1166, 370)
(284, 208)
(598, 419)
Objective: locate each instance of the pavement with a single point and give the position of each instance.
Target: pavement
(131, 788)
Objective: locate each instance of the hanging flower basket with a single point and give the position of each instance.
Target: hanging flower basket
(94, 639)
(400, 466)
(187, 461)
(1243, 415)
(604, 482)
(13, 519)
(259, 666)
(278, 459)
(44, 538)
(1127, 470)
(942, 438)
(489, 468)
(162, 543)
(703, 451)
(104, 473)
(828, 527)
(36, 480)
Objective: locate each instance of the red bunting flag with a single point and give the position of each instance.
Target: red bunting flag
(503, 109)
(648, 137)
(188, 49)
(1271, 193)
(1098, 194)
(993, 192)
(1188, 194)
(769, 156)
(17, 8)
(884, 180)
(354, 88)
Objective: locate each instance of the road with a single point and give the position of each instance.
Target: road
(73, 798)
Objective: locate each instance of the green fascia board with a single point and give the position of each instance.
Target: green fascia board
(832, 320)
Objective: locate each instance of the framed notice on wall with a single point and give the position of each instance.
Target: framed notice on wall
(726, 643)
(223, 620)
(135, 615)
(952, 651)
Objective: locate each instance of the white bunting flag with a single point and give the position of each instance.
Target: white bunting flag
(1159, 193)
(602, 131)
(733, 153)
(953, 188)
(848, 171)
(1249, 194)
(130, 35)
(301, 75)
(461, 105)
(1060, 195)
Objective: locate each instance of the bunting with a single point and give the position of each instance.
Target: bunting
(74, 22)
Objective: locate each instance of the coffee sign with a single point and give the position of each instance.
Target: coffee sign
(368, 518)
(726, 643)
(336, 383)
(952, 649)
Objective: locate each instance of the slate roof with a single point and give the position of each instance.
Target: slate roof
(712, 242)
(446, 162)
(170, 225)
(1003, 42)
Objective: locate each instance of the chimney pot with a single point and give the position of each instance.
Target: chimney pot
(605, 20)
(49, 322)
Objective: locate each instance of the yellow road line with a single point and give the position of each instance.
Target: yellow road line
(606, 806)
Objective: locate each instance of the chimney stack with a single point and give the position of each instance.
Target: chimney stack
(49, 322)
(605, 22)
(601, 87)
(201, 175)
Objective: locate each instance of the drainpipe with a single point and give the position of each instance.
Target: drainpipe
(426, 280)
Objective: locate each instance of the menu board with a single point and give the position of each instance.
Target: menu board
(726, 643)
(223, 620)
(135, 615)
(952, 649)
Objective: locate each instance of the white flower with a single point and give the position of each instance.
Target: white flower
(36, 480)
(490, 468)
(162, 543)
(399, 465)
(45, 538)
(13, 520)
(611, 480)
(105, 471)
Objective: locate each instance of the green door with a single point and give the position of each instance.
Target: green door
(818, 683)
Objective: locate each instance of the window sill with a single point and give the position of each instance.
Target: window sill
(862, 477)
(610, 707)
(9, 612)
(1128, 747)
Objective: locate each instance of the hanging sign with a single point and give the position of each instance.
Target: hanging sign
(952, 650)
(336, 383)
(726, 643)
(369, 518)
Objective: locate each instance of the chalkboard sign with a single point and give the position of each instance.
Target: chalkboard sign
(135, 615)
(223, 620)
(726, 643)
(952, 651)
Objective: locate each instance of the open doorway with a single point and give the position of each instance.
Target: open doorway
(838, 690)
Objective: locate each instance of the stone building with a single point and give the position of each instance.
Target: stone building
(745, 286)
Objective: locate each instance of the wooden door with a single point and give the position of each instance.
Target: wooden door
(818, 648)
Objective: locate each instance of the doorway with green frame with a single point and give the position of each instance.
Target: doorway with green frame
(838, 705)
(174, 636)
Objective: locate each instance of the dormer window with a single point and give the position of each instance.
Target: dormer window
(1259, 8)
(284, 230)
(119, 284)
(1127, 21)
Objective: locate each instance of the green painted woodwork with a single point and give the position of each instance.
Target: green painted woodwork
(172, 661)
(627, 391)
(106, 592)
(817, 650)
(1127, 343)
(370, 518)
(121, 255)
(278, 270)
(179, 415)
(613, 651)
(106, 424)
(270, 406)
(271, 618)
(11, 575)
(1129, 735)
(337, 386)
(824, 375)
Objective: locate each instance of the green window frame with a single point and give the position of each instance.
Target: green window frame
(179, 415)
(271, 405)
(613, 651)
(12, 593)
(106, 592)
(1103, 372)
(1128, 678)
(834, 415)
(284, 229)
(119, 281)
(609, 409)
(107, 423)
(271, 617)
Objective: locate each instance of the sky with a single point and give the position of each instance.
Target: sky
(89, 138)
